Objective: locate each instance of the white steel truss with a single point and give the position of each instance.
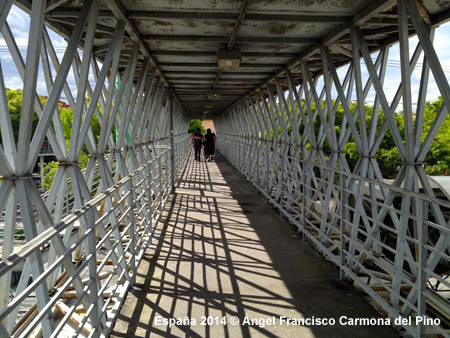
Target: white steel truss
(389, 237)
(69, 256)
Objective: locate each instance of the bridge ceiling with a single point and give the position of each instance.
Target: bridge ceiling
(182, 38)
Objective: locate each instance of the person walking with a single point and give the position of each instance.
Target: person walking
(213, 156)
(209, 144)
(197, 141)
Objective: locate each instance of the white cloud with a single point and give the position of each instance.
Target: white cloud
(61, 43)
(441, 44)
(21, 41)
(6, 57)
(14, 82)
(19, 23)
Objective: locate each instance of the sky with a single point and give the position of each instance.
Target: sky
(19, 24)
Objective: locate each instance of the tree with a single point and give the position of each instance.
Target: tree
(14, 98)
(437, 160)
(194, 125)
(66, 116)
(438, 157)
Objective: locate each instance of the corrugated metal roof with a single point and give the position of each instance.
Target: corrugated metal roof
(183, 36)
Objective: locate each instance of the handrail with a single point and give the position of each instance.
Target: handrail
(109, 235)
(360, 224)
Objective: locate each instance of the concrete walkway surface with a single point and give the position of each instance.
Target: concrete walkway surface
(225, 264)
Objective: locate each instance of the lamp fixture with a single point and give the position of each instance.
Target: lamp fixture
(213, 93)
(228, 59)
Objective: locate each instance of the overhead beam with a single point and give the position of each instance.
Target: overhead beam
(224, 81)
(52, 4)
(232, 17)
(73, 21)
(238, 24)
(214, 53)
(253, 39)
(361, 17)
(214, 65)
(61, 12)
(228, 73)
(204, 90)
(304, 17)
(190, 79)
(119, 12)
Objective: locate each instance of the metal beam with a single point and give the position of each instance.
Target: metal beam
(214, 53)
(227, 16)
(214, 65)
(242, 39)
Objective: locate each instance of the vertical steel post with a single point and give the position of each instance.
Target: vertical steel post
(160, 192)
(42, 163)
(258, 155)
(342, 226)
(281, 182)
(422, 276)
(267, 170)
(172, 149)
(133, 230)
(303, 218)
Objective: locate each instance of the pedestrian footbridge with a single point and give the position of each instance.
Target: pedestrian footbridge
(229, 264)
(304, 226)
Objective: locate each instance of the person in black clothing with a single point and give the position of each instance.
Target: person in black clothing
(209, 143)
(213, 156)
(197, 141)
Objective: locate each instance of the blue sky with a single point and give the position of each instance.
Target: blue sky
(19, 23)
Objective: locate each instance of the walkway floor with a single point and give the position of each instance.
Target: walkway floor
(224, 255)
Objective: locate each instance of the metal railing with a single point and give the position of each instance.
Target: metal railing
(90, 256)
(390, 243)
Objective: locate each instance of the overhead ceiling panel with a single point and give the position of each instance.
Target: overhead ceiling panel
(284, 30)
(322, 7)
(186, 26)
(182, 5)
(182, 38)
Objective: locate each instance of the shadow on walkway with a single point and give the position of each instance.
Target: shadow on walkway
(224, 255)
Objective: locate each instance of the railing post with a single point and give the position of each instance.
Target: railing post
(342, 232)
(160, 184)
(168, 163)
(132, 234)
(267, 169)
(172, 149)
(303, 218)
(281, 181)
(93, 275)
(422, 233)
(258, 149)
(238, 162)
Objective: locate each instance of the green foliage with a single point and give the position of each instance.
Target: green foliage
(194, 125)
(95, 125)
(50, 171)
(66, 116)
(388, 157)
(51, 167)
(438, 157)
(14, 98)
(66, 121)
